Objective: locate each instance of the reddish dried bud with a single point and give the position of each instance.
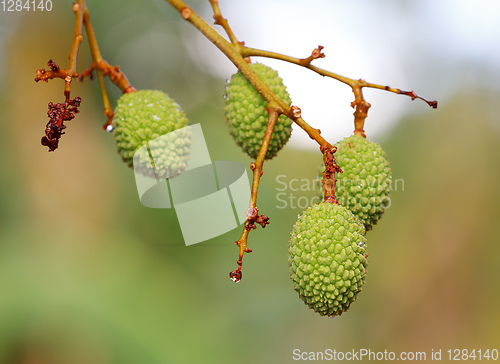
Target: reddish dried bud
(250, 226)
(53, 65)
(262, 221)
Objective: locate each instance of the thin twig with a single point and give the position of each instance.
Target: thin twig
(108, 111)
(252, 212)
(114, 73)
(220, 20)
(55, 71)
(304, 62)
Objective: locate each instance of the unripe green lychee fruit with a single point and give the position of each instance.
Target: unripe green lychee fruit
(246, 115)
(365, 185)
(152, 119)
(327, 258)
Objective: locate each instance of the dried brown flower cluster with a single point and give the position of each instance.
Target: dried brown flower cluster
(58, 114)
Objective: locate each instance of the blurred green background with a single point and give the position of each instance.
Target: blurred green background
(89, 275)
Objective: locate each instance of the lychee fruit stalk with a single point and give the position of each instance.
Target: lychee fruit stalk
(365, 185)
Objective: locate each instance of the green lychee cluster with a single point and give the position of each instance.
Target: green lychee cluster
(246, 115)
(152, 119)
(327, 258)
(365, 185)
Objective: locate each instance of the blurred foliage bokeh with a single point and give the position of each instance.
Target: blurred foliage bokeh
(89, 275)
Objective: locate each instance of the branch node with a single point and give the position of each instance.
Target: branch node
(217, 19)
(296, 112)
(252, 213)
(186, 12)
(315, 54)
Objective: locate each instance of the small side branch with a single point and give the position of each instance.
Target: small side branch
(65, 111)
(108, 111)
(314, 134)
(113, 72)
(103, 68)
(77, 39)
(306, 62)
(54, 70)
(253, 212)
(412, 94)
(220, 20)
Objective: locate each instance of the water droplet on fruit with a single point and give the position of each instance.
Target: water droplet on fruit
(109, 128)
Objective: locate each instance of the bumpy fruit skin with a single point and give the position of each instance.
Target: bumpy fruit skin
(327, 259)
(365, 185)
(151, 118)
(246, 115)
